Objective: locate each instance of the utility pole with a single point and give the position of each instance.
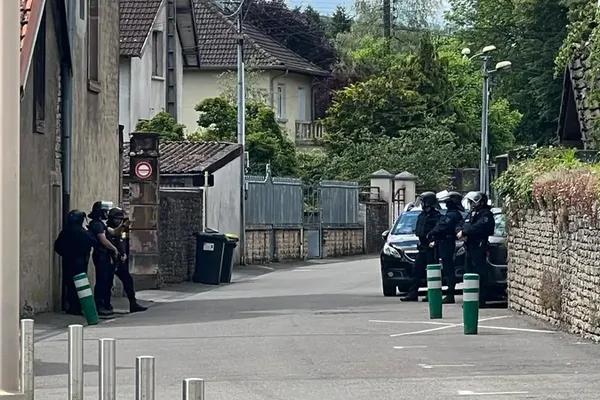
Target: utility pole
(241, 131)
(387, 19)
(483, 165)
(9, 201)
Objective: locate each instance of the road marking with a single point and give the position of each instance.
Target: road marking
(303, 270)
(446, 326)
(410, 322)
(427, 366)
(503, 328)
(409, 347)
(471, 393)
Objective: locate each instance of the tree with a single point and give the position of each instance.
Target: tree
(340, 22)
(266, 143)
(164, 124)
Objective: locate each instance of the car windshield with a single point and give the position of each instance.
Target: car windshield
(500, 228)
(407, 223)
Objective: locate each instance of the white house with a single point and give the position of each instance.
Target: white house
(288, 79)
(157, 40)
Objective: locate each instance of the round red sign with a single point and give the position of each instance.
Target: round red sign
(143, 170)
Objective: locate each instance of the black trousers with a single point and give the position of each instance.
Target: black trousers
(125, 277)
(425, 256)
(105, 273)
(70, 269)
(476, 263)
(446, 249)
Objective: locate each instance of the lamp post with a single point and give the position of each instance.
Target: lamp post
(484, 169)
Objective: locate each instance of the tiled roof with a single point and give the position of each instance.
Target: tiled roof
(190, 157)
(136, 19)
(218, 45)
(25, 12)
(31, 13)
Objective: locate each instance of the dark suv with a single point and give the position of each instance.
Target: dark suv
(400, 249)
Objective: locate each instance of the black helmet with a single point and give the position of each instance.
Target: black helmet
(75, 219)
(452, 199)
(428, 199)
(100, 209)
(477, 198)
(116, 213)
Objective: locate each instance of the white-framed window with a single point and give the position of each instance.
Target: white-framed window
(302, 104)
(158, 58)
(281, 101)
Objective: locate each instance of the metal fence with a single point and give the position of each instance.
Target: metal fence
(145, 374)
(286, 201)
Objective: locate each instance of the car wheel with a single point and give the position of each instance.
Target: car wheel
(388, 290)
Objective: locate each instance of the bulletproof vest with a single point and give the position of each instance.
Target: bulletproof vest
(421, 228)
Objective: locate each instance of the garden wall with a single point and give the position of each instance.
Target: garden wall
(554, 268)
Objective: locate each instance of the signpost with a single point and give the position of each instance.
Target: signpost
(143, 170)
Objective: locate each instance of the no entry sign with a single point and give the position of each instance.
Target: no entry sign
(143, 170)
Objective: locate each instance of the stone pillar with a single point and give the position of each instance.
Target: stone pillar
(144, 206)
(384, 180)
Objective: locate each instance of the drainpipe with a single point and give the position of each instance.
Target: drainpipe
(66, 113)
(287, 71)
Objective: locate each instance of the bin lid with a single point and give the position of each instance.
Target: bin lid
(210, 235)
(231, 236)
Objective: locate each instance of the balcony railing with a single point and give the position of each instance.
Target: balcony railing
(308, 132)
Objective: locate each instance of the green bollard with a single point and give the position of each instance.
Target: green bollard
(86, 298)
(470, 303)
(434, 290)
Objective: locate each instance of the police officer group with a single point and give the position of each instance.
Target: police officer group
(106, 237)
(438, 233)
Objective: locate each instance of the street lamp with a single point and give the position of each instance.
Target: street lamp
(484, 171)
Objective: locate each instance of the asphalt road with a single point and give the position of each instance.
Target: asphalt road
(324, 331)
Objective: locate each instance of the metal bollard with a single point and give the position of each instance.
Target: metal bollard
(434, 290)
(108, 365)
(75, 362)
(144, 378)
(193, 389)
(470, 303)
(27, 357)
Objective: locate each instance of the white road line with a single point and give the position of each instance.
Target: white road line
(471, 393)
(503, 328)
(425, 330)
(409, 347)
(427, 366)
(410, 322)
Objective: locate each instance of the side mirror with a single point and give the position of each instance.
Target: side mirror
(384, 235)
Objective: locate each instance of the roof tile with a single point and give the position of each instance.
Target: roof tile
(188, 157)
(136, 19)
(218, 44)
(25, 12)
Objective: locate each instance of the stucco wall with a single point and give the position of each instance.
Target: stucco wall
(223, 205)
(96, 166)
(40, 212)
(554, 269)
(199, 85)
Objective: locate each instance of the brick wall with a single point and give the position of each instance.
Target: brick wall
(180, 217)
(376, 222)
(554, 270)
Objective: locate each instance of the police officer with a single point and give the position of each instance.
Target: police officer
(103, 256)
(73, 245)
(477, 228)
(444, 235)
(115, 219)
(426, 221)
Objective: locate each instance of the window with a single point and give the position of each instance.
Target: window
(39, 80)
(81, 9)
(158, 59)
(280, 101)
(94, 45)
(302, 104)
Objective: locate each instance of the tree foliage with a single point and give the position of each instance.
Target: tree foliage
(164, 124)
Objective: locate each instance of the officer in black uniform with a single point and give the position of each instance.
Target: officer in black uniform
(426, 221)
(116, 217)
(73, 245)
(103, 256)
(444, 235)
(477, 228)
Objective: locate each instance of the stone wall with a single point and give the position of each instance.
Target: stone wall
(180, 217)
(376, 222)
(554, 270)
(343, 241)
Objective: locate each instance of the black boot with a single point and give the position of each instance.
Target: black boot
(135, 307)
(104, 313)
(412, 295)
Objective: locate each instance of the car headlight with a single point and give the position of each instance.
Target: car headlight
(390, 251)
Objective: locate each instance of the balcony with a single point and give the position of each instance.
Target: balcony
(308, 133)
